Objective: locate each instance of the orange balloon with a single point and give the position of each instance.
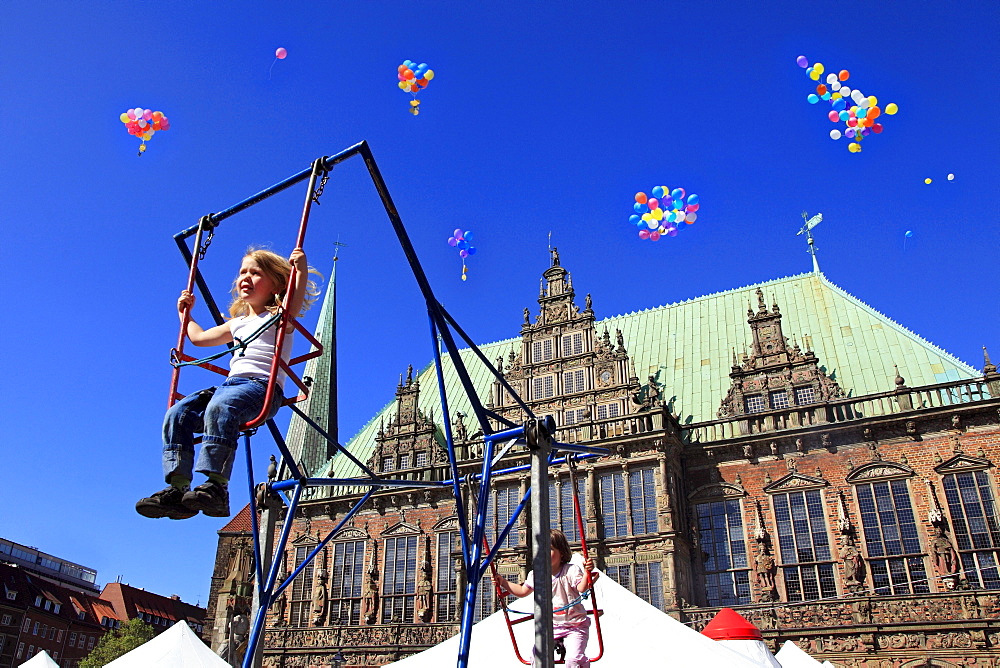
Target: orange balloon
(401, 69)
(844, 74)
(873, 112)
(408, 74)
(868, 121)
(821, 89)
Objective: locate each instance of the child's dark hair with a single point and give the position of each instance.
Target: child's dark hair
(558, 541)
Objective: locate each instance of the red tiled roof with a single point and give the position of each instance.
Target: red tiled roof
(240, 523)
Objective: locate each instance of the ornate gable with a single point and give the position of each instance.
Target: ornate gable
(878, 471)
(408, 434)
(447, 524)
(351, 533)
(564, 368)
(962, 463)
(717, 491)
(795, 482)
(774, 375)
(402, 529)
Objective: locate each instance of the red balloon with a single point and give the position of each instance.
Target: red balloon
(877, 128)
(280, 53)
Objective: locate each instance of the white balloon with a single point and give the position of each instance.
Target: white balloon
(951, 177)
(845, 91)
(831, 77)
(864, 103)
(835, 134)
(835, 86)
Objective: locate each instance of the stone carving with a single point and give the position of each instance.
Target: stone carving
(765, 568)
(424, 591)
(652, 393)
(458, 430)
(944, 556)
(235, 645)
(319, 599)
(369, 599)
(854, 564)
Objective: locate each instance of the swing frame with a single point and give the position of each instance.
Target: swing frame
(288, 492)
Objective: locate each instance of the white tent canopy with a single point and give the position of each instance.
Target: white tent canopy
(755, 650)
(791, 655)
(635, 634)
(40, 660)
(177, 647)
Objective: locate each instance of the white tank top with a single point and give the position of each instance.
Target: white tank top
(255, 361)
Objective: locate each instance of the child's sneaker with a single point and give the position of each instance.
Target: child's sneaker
(211, 498)
(165, 503)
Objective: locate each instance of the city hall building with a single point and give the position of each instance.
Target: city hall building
(783, 449)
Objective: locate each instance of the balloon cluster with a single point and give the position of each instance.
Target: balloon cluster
(663, 213)
(859, 117)
(414, 78)
(461, 240)
(143, 123)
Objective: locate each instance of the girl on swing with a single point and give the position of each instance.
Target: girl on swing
(218, 413)
(569, 581)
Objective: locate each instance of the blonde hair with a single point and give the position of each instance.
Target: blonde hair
(558, 540)
(277, 269)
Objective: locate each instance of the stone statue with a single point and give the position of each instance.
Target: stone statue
(747, 451)
(281, 603)
(319, 598)
(527, 316)
(587, 302)
(652, 397)
(765, 568)
(458, 430)
(555, 256)
(235, 645)
(944, 555)
(369, 599)
(854, 564)
(424, 594)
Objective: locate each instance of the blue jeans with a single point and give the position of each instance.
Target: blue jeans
(218, 413)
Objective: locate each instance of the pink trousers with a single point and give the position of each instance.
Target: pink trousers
(574, 637)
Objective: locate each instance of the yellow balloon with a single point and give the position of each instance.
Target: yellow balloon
(429, 74)
(854, 147)
(872, 101)
(814, 75)
(818, 67)
(657, 214)
(836, 96)
(124, 117)
(891, 108)
(402, 85)
(927, 181)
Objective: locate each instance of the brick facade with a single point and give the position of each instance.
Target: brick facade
(864, 528)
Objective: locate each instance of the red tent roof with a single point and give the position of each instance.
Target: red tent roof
(730, 625)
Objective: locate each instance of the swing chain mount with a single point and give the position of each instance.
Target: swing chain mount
(206, 223)
(320, 165)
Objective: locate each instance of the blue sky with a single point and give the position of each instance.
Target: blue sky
(543, 117)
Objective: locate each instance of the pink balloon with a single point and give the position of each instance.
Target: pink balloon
(652, 203)
(654, 236)
(147, 114)
(643, 234)
(280, 53)
(131, 114)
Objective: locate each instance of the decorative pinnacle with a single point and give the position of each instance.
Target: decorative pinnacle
(988, 366)
(900, 381)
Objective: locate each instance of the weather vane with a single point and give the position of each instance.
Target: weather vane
(807, 230)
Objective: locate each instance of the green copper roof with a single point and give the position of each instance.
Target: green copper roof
(689, 346)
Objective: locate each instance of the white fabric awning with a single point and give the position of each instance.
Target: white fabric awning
(177, 647)
(635, 634)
